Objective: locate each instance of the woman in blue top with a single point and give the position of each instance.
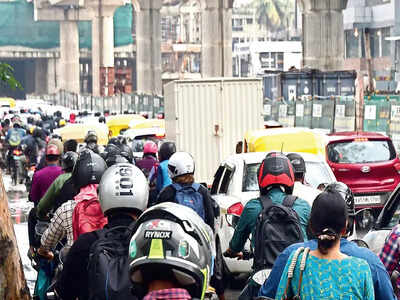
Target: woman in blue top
(328, 273)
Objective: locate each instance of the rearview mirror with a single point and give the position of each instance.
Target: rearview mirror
(364, 219)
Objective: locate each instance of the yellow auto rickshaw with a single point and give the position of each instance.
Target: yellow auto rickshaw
(78, 132)
(286, 140)
(7, 102)
(119, 123)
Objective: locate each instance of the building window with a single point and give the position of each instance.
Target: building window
(261, 39)
(249, 21)
(352, 43)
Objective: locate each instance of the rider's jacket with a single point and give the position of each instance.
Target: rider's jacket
(147, 163)
(73, 282)
(42, 180)
(48, 201)
(382, 285)
(248, 219)
(20, 131)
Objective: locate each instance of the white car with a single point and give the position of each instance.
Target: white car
(235, 183)
(387, 219)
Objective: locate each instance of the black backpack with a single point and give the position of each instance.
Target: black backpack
(278, 226)
(108, 266)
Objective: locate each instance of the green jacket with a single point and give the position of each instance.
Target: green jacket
(48, 200)
(248, 219)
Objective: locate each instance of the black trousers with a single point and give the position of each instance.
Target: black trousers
(32, 221)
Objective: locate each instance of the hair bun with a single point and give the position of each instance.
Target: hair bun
(327, 234)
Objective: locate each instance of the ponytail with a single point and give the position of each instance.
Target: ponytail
(326, 239)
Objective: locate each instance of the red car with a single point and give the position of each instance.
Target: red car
(367, 162)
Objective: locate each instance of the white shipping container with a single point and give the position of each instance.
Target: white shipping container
(208, 117)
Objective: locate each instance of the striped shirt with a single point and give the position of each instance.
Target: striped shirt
(60, 227)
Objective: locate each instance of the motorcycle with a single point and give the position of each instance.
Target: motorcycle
(48, 270)
(17, 166)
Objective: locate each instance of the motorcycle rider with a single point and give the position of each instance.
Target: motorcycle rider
(41, 181)
(276, 185)
(120, 209)
(181, 169)
(86, 175)
(13, 138)
(49, 200)
(165, 152)
(382, 285)
(171, 268)
(301, 189)
(149, 159)
(91, 141)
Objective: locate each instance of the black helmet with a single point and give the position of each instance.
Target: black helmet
(171, 242)
(111, 150)
(68, 161)
(88, 168)
(298, 164)
(114, 141)
(348, 196)
(166, 150)
(126, 152)
(115, 159)
(276, 170)
(91, 137)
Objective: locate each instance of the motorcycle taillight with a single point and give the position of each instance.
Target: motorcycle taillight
(17, 152)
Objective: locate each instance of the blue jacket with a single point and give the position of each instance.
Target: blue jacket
(163, 179)
(248, 219)
(382, 285)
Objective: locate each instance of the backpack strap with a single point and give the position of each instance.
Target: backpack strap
(289, 201)
(265, 201)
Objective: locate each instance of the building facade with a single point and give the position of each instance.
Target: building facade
(380, 20)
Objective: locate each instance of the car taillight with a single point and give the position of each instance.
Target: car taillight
(397, 167)
(236, 209)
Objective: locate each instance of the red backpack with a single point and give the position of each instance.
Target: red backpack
(87, 217)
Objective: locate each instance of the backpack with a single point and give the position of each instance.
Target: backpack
(15, 138)
(190, 196)
(87, 217)
(278, 226)
(108, 265)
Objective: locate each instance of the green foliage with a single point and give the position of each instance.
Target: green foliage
(7, 76)
(274, 14)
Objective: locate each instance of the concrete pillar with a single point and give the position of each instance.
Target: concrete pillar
(102, 49)
(69, 56)
(148, 47)
(323, 34)
(52, 75)
(216, 50)
(41, 76)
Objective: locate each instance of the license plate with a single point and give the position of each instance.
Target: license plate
(367, 200)
(16, 157)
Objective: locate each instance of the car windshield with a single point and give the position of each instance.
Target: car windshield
(316, 174)
(354, 152)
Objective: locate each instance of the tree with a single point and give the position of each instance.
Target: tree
(276, 15)
(12, 281)
(7, 76)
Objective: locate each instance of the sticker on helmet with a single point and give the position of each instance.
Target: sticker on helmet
(132, 248)
(157, 234)
(159, 224)
(183, 249)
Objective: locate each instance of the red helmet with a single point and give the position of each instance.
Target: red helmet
(52, 150)
(276, 170)
(150, 148)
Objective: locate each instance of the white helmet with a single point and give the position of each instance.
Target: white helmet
(123, 186)
(180, 163)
